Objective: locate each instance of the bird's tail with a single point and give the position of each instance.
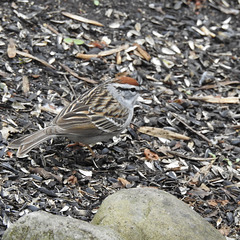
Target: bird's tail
(27, 143)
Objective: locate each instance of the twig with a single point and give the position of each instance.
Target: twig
(24, 54)
(103, 53)
(69, 70)
(52, 29)
(189, 157)
(235, 126)
(219, 84)
(162, 133)
(112, 51)
(194, 131)
(70, 85)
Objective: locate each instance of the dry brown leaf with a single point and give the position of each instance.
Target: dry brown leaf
(45, 174)
(224, 202)
(143, 53)
(137, 53)
(162, 133)
(125, 79)
(123, 181)
(212, 203)
(203, 170)
(199, 192)
(9, 153)
(225, 230)
(150, 155)
(11, 50)
(214, 99)
(82, 19)
(72, 180)
(97, 44)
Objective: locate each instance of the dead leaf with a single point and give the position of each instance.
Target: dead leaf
(72, 180)
(212, 203)
(125, 79)
(150, 155)
(124, 182)
(199, 192)
(82, 19)
(9, 154)
(97, 44)
(162, 133)
(143, 53)
(225, 230)
(216, 99)
(224, 202)
(45, 174)
(204, 171)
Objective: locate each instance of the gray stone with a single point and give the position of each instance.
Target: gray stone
(147, 213)
(46, 226)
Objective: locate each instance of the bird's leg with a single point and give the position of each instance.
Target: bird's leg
(82, 145)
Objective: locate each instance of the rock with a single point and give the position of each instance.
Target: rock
(147, 213)
(41, 225)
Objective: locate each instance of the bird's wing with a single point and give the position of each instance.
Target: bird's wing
(80, 116)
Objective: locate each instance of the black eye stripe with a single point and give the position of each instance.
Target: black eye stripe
(127, 89)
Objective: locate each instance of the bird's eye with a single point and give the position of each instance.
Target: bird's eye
(133, 90)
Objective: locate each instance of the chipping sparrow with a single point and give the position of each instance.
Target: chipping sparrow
(97, 115)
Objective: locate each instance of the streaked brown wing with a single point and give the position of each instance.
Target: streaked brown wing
(78, 116)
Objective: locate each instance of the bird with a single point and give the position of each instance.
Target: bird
(96, 116)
